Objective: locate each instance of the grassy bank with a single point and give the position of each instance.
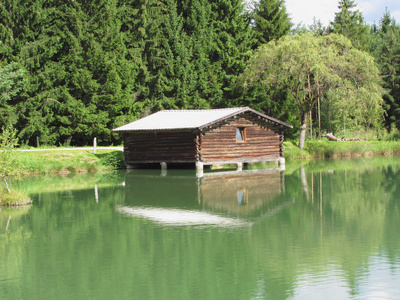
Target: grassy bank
(15, 198)
(328, 149)
(69, 161)
(61, 161)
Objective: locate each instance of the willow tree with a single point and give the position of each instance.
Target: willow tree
(309, 66)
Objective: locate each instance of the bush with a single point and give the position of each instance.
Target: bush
(113, 160)
(393, 135)
(13, 198)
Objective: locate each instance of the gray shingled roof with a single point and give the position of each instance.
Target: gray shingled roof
(187, 119)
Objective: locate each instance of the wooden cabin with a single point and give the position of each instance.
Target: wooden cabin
(203, 137)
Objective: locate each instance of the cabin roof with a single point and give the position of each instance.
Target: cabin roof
(189, 119)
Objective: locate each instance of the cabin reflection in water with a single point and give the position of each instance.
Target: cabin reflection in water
(249, 193)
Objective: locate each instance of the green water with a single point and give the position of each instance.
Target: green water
(326, 230)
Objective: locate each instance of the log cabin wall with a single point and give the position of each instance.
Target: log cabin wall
(164, 146)
(219, 145)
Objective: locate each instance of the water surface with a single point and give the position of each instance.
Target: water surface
(326, 230)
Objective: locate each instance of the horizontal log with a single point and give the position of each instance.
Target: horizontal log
(164, 153)
(233, 130)
(233, 133)
(239, 149)
(160, 146)
(168, 138)
(228, 140)
(158, 161)
(157, 136)
(233, 161)
(256, 147)
(256, 143)
(175, 153)
(233, 156)
(161, 159)
(240, 152)
(153, 142)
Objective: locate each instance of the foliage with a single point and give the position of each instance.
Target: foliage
(350, 23)
(90, 66)
(113, 160)
(15, 198)
(311, 68)
(9, 163)
(11, 83)
(271, 21)
(385, 47)
(71, 71)
(327, 149)
(317, 28)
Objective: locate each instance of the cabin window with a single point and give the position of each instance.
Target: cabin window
(240, 134)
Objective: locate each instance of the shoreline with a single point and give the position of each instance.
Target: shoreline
(64, 161)
(350, 149)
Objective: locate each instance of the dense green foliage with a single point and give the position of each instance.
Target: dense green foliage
(350, 22)
(271, 21)
(9, 163)
(385, 46)
(311, 68)
(77, 69)
(73, 70)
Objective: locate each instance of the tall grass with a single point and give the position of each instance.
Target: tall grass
(14, 198)
(327, 149)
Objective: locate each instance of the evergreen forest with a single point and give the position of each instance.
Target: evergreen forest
(72, 70)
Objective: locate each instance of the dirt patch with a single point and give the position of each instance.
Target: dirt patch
(62, 172)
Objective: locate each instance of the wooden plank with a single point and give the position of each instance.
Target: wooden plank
(234, 161)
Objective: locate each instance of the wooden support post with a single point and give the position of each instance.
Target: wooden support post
(239, 166)
(199, 165)
(199, 169)
(281, 163)
(163, 165)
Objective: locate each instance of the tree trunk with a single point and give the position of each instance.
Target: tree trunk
(319, 116)
(5, 181)
(303, 129)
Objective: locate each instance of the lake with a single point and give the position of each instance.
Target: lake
(323, 230)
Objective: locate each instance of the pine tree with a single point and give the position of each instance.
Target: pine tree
(232, 45)
(12, 81)
(198, 25)
(91, 66)
(385, 46)
(271, 21)
(350, 23)
(80, 68)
